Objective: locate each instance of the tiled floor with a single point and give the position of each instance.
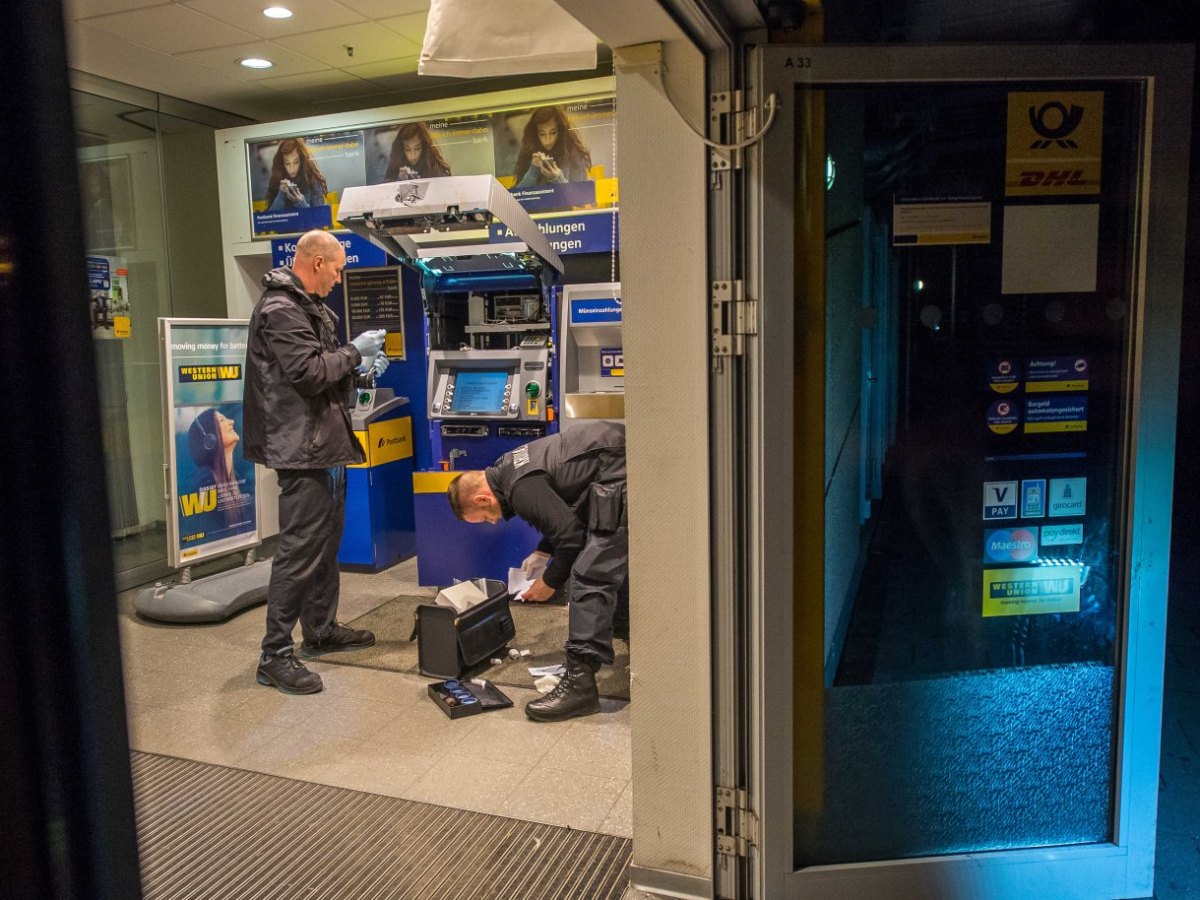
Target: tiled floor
(191, 693)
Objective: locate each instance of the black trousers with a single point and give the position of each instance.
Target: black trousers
(599, 579)
(305, 584)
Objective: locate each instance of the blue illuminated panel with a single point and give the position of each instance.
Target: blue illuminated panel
(479, 392)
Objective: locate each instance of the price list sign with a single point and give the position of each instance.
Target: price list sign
(373, 300)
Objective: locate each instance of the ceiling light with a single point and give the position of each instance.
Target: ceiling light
(254, 62)
(277, 12)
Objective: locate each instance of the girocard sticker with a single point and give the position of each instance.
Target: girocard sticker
(1054, 143)
(999, 500)
(1062, 535)
(1009, 545)
(1030, 590)
(1056, 373)
(1043, 414)
(1033, 498)
(1068, 497)
(1002, 417)
(1004, 375)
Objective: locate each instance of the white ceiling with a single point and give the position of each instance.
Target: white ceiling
(331, 56)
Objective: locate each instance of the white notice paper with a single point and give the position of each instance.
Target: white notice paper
(1050, 248)
(518, 583)
(461, 596)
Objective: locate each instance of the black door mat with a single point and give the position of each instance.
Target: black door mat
(541, 628)
(207, 831)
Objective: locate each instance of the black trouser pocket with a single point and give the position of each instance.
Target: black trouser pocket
(606, 507)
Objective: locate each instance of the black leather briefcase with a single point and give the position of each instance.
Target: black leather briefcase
(450, 642)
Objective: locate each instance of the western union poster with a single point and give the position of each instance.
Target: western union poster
(1054, 143)
(1030, 590)
(213, 492)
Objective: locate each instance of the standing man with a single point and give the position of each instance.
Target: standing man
(295, 421)
(570, 487)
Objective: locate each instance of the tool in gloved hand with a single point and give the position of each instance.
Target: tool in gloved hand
(368, 344)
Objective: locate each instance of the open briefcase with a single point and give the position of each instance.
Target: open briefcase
(451, 638)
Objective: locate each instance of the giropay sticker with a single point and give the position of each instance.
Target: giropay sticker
(1067, 497)
(1005, 545)
(1062, 535)
(999, 500)
(1033, 498)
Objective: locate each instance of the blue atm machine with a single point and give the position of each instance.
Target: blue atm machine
(489, 290)
(382, 530)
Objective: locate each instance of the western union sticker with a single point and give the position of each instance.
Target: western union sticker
(1054, 143)
(1030, 590)
(386, 442)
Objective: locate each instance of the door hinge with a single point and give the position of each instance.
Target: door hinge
(737, 826)
(728, 123)
(733, 317)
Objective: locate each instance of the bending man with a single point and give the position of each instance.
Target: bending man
(571, 488)
(295, 421)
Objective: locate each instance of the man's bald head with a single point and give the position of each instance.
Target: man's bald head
(318, 262)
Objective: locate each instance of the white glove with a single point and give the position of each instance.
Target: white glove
(534, 565)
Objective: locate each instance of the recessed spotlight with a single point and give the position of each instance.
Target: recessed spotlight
(254, 62)
(277, 12)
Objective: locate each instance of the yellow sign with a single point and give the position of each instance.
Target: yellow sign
(385, 442)
(1030, 590)
(121, 326)
(393, 345)
(1054, 143)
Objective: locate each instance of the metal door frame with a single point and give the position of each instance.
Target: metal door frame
(1096, 871)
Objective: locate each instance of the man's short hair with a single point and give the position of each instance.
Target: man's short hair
(454, 494)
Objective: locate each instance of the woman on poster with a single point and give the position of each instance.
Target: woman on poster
(551, 150)
(296, 180)
(415, 154)
(212, 440)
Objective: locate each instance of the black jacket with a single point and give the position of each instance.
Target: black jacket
(548, 483)
(297, 379)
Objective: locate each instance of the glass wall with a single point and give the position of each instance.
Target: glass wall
(147, 175)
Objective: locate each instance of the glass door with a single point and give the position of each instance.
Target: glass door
(962, 309)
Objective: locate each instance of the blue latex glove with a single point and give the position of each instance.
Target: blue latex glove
(381, 363)
(369, 342)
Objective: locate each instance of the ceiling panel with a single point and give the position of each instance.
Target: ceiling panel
(307, 15)
(225, 59)
(330, 84)
(81, 9)
(411, 26)
(382, 9)
(170, 29)
(351, 44)
(403, 65)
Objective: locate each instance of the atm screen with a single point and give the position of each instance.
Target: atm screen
(479, 391)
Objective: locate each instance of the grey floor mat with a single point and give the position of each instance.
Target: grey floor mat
(207, 831)
(541, 629)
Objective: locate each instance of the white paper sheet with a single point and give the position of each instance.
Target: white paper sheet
(518, 583)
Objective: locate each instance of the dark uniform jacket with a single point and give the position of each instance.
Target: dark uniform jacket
(548, 483)
(297, 378)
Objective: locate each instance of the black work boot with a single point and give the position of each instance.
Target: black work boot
(337, 639)
(574, 695)
(287, 673)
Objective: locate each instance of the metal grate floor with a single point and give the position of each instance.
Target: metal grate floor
(207, 832)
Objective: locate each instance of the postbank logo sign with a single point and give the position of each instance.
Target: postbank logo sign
(385, 442)
(999, 500)
(1054, 143)
(1068, 497)
(1030, 590)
